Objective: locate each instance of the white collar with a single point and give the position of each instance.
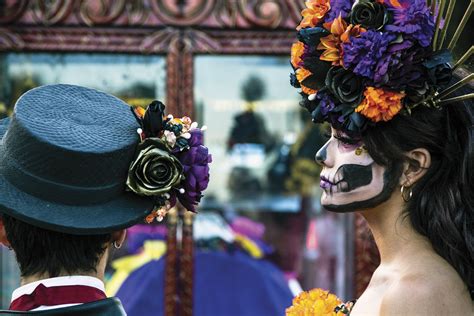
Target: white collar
(59, 281)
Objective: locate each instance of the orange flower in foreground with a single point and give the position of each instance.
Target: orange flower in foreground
(314, 302)
(314, 13)
(380, 105)
(302, 74)
(332, 44)
(297, 50)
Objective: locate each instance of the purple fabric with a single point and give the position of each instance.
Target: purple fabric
(138, 234)
(413, 20)
(195, 163)
(248, 227)
(231, 284)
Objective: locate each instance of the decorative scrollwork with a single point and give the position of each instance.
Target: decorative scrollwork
(265, 13)
(174, 13)
(294, 9)
(12, 10)
(94, 12)
(10, 41)
(51, 12)
(240, 14)
(160, 41)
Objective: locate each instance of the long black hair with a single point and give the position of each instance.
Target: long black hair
(441, 207)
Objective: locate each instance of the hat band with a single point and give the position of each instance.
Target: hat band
(58, 192)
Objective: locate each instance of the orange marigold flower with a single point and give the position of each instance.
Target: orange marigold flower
(302, 74)
(380, 105)
(314, 13)
(297, 50)
(314, 302)
(332, 44)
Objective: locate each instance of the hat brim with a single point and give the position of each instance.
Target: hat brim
(122, 212)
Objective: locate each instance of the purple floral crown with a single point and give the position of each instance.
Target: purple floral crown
(361, 62)
(171, 162)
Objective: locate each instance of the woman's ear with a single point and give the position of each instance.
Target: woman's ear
(118, 237)
(3, 235)
(419, 160)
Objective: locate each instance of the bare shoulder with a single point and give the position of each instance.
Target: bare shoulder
(430, 288)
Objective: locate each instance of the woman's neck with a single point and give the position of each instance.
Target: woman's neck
(393, 233)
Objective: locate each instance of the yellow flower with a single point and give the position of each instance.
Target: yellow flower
(380, 105)
(332, 44)
(314, 13)
(302, 74)
(297, 50)
(315, 302)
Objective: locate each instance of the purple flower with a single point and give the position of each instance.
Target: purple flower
(326, 104)
(414, 20)
(391, 61)
(342, 7)
(195, 163)
(406, 69)
(363, 53)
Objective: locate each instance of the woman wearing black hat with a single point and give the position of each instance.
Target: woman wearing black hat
(399, 148)
(73, 175)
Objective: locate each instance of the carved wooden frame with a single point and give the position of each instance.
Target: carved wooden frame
(178, 29)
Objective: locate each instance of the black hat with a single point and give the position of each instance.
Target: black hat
(64, 159)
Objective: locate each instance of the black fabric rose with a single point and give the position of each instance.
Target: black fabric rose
(346, 86)
(154, 170)
(369, 14)
(440, 75)
(153, 119)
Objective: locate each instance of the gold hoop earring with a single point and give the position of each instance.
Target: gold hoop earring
(117, 246)
(404, 193)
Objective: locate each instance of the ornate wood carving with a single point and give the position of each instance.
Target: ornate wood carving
(175, 28)
(242, 14)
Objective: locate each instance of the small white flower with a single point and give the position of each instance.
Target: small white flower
(186, 135)
(194, 125)
(170, 138)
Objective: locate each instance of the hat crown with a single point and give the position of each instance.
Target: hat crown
(65, 139)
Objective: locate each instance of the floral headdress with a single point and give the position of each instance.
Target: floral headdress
(171, 162)
(361, 62)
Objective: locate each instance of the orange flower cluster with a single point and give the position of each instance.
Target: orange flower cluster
(332, 44)
(314, 302)
(297, 50)
(302, 74)
(380, 105)
(314, 13)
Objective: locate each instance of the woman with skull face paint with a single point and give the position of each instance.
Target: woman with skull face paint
(400, 149)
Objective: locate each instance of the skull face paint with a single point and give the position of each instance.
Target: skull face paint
(350, 178)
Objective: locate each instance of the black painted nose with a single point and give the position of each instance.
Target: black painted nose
(321, 154)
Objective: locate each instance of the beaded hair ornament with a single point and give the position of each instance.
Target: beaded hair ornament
(362, 62)
(170, 163)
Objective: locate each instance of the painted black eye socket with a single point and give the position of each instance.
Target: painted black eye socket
(347, 140)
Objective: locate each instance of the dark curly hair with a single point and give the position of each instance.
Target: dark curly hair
(441, 207)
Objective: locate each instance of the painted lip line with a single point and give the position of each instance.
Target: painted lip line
(325, 183)
(323, 178)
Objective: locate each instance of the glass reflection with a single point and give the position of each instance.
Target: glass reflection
(134, 78)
